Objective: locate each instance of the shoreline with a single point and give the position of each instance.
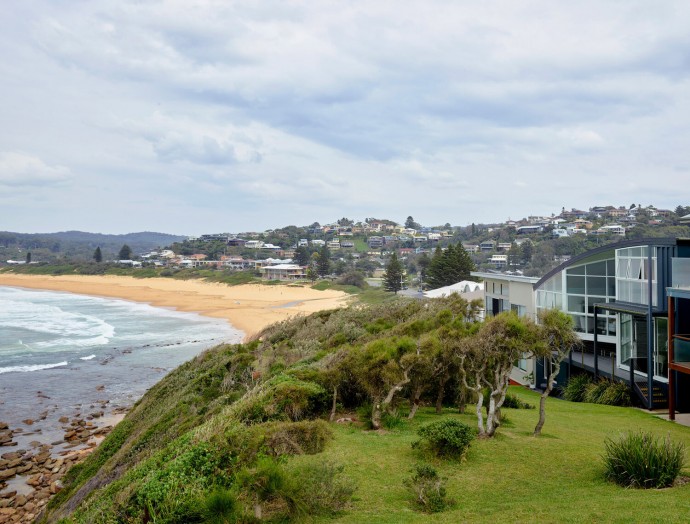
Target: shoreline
(247, 307)
(35, 456)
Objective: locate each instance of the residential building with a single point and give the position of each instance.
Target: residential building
(487, 245)
(499, 261)
(283, 272)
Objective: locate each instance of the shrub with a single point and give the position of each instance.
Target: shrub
(616, 394)
(322, 489)
(297, 438)
(428, 489)
(392, 420)
(576, 388)
(446, 438)
(220, 507)
(641, 460)
(595, 391)
(514, 402)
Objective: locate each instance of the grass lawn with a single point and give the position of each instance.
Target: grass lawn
(513, 477)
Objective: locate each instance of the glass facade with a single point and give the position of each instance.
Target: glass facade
(633, 272)
(585, 285)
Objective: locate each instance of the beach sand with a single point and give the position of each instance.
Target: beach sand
(248, 307)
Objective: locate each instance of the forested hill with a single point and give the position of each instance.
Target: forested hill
(80, 244)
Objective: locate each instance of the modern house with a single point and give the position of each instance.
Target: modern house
(503, 292)
(627, 300)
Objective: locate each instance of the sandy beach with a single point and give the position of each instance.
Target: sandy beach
(248, 307)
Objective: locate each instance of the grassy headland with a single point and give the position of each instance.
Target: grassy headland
(238, 414)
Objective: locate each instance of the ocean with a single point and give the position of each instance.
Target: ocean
(62, 354)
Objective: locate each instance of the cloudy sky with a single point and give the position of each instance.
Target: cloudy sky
(186, 116)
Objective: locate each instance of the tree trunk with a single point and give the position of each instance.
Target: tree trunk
(376, 413)
(555, 369)
(414, 404)
(480, 417)
(257, 511)
(441, 393)
(335, 400)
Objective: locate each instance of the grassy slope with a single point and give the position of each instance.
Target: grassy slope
(514, 477)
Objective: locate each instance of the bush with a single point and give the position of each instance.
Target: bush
(576, 388)
(428, 489)
(392, 420)
(297, 438)
(641, 460)
(514, 402)
(616, 394)
(220, 507)
(446, 438)
(322, 489)
(594, 391)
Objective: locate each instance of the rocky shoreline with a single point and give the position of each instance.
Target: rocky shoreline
(30, 477)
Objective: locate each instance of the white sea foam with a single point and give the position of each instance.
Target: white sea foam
(87, 358)
(25, 369)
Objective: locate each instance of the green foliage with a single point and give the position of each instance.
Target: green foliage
(616, 394)
(594, 391)
(296, 438)
(447, 438)
(220, 507)
(641, 460)
(322, 488)
(392, 420)
(282, 398)
(449, 267)
(427, 489)
(514, 402)
(581, 388)
(576, 388)
(393, 277)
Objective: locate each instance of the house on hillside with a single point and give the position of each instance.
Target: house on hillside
(627, 301)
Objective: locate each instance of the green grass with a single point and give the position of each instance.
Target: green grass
(514, 477)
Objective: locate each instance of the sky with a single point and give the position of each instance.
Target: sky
(192, 117)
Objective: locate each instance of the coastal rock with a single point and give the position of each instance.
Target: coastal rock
(8, 473)
(4, 425)
(63, 420)
(28, 421)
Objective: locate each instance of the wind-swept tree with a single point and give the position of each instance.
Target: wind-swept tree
(556, 329)
(382, 371)
(487, 358)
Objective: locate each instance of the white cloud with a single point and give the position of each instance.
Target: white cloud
(20, 170)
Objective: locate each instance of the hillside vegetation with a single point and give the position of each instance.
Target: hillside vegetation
(240, 433)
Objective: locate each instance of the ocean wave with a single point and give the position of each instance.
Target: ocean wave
(53, 320)
(87, 358)
(26, 369)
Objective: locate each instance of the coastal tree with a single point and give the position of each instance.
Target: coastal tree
(302, 256)
(411, 224)
(125, 252)
(97, 255)
(382, 371)
(487, 358)
(556, 329)
(393, 277)
(323, 264)
(28, 257)
(449, 267)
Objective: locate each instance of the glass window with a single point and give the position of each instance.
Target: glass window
(576, 303)
(612, 326)
(575, 284)
(579, 323)
(597, 269)
(611, 286)
(601, 326)
(596, 286)
(579, 270)
(611, 267)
